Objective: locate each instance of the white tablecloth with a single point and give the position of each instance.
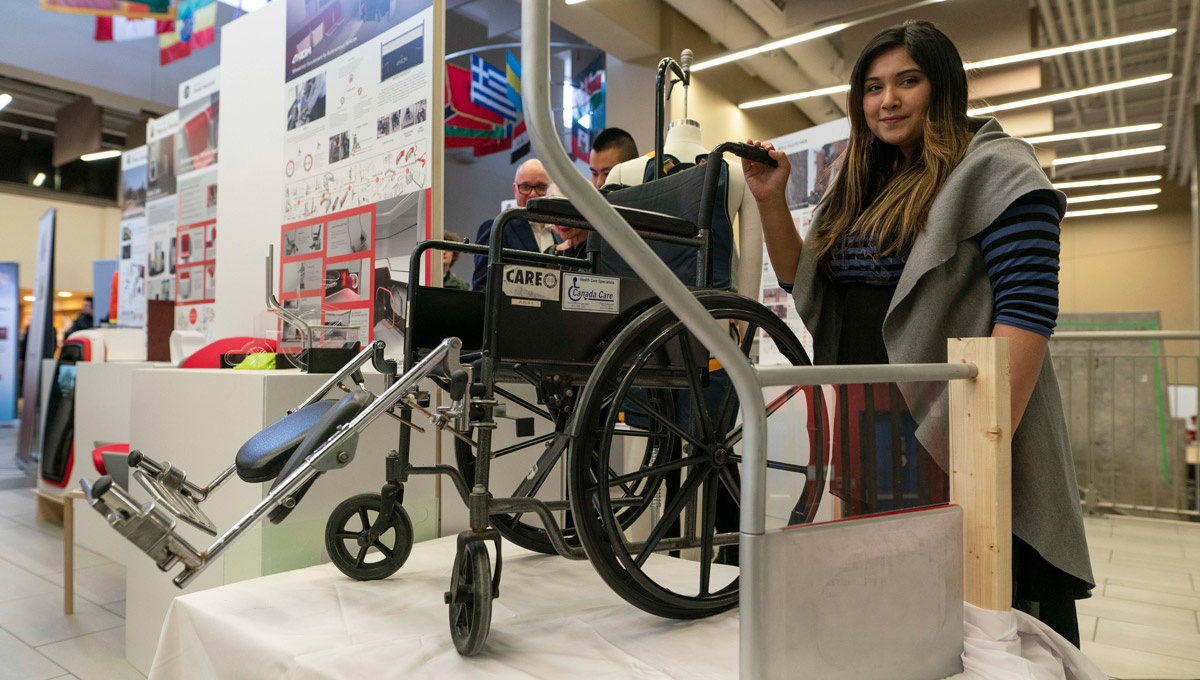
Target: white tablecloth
(555, 619)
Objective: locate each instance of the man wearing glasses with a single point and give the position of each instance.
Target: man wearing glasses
(531, 181)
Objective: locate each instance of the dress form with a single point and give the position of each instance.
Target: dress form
(684, 143)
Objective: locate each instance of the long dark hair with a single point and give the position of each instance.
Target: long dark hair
(876, 192)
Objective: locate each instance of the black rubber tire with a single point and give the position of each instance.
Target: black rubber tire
(470, 615)
(391, 554)
(617, 372)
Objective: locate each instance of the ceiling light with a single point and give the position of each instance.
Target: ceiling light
(1113, 196)
(64, 293)
(1059, 96)
(1109, 154)
(1111, 211)
(28, 298)
(1107, 182)
(767, 47)
(793, 97)
(1046, 139)
(574, 2)
(1067, 49)
(5, 99)
(100, 155)
(39, 179)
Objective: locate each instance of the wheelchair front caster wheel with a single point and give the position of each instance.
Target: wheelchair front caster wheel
(350, 545)
(471, 608)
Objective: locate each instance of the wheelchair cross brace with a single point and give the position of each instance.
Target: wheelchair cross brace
(152, 528)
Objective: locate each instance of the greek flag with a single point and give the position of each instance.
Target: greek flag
(489, 89)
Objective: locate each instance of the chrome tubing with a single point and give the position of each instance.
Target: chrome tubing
(535, 86)
(864, 374)
(356, 363)
(446, 352)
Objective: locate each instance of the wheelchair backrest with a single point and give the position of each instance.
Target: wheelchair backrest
(677, 195)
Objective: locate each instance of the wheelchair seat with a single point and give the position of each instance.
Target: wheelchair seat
(262, 457)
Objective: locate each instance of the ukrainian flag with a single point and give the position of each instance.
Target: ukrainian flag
(514, 80)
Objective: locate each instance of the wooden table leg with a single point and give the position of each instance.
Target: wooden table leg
(68, 555)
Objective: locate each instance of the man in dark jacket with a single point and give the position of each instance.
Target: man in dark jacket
(531, 181)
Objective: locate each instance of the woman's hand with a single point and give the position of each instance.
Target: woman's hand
(766, 183)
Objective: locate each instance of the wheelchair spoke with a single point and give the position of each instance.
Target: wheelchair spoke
(708, 528)
(532, 441)
(731, 484)
(366, 523)
(383, 548)
(362, 555)
(348, 534)
(698, 412)
(655, 470)
(674, 507)
(668, 423)
(724, 413)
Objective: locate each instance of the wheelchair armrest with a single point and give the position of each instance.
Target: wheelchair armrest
(641, 220)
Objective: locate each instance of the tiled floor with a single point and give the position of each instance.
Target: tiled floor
(37, 642)
(1143, 621)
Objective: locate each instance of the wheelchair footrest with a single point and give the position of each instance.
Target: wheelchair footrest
(166, 487)
(148, 527)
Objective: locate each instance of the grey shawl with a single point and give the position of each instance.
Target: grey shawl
(944, 292)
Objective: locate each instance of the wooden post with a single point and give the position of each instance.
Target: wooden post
(981, 469)
(68, 554)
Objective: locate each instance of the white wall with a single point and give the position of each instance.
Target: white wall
(250, 183)
(84, 233)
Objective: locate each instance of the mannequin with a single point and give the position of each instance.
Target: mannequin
(683, 144)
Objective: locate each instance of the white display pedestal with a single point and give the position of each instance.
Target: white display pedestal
(103, 392)
(197, 420)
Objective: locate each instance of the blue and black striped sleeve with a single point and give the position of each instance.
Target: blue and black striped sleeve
(1021, 251)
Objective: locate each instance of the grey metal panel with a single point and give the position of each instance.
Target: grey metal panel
(877, 597)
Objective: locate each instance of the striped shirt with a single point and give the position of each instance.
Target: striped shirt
(1020, 249)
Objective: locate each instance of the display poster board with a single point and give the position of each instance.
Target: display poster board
(131, 260)
(162, 207)
(811, 152)
(41, 324)
(357, 162)
(102, 276)
(195, 238)
(9, 339)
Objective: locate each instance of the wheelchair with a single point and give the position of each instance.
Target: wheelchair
(643, 425)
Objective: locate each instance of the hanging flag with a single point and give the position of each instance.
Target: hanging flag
(195, 28)
(489, 88)
(458, 98)
(120, 29)
(143, 9)
(520, 142)
(514, 80)
(581, 141)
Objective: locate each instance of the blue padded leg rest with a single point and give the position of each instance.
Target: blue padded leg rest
(262, 457)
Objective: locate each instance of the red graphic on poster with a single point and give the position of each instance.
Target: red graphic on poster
(195, 264)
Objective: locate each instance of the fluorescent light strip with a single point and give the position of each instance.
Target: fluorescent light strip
(1059, 96)
(574, 2)
(1046, 139)
(1113, 196)
(793, 97)
(778, 44)
(1109, 154)
(1107, 182)
(39, 179)
(5, 99)
(100, 155)
(1067, 49)
(1111, 211)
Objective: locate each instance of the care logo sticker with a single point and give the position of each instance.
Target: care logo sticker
(531, 282)
(587, 293)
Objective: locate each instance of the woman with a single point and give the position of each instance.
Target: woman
(936, 226)
(574, 241)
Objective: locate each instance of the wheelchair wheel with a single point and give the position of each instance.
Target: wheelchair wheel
(471, 610)
(652, 445)
(350, 547)
(700, 517)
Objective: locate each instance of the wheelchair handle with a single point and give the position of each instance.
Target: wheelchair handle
(749, 152)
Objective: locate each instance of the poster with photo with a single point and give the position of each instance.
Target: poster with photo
(131, 258)
(162, 207)
(195, 236)
(356, 165)
(811, 153)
